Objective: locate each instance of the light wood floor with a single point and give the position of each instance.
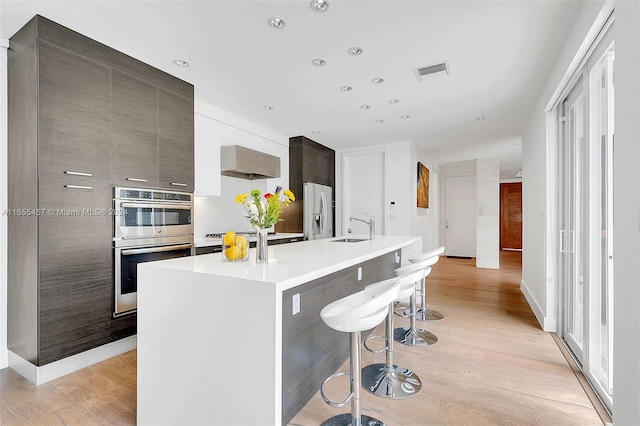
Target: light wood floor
(492, 366)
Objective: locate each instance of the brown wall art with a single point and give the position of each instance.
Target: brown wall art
(423, 186)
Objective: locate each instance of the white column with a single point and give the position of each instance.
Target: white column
(4, 45)
(626, 233)
(488, 213)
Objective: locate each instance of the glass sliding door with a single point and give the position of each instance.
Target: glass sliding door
(586, 200)
(601, 112)
(573, 220)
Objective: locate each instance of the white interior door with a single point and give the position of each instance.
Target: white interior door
(363, 177)
(460, 216)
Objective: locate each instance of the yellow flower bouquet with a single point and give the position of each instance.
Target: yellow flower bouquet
(263, 211)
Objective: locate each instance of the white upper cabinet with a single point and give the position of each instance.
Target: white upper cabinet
(207, 155)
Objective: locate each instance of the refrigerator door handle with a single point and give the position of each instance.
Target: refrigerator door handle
(323, 212)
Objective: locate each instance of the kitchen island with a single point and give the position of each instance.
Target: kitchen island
(224, 343)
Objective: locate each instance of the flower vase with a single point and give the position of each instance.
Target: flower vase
(262, 246)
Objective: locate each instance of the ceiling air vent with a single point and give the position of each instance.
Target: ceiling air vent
(432, 69)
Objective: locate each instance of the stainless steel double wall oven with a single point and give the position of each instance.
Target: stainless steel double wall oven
(150, 225)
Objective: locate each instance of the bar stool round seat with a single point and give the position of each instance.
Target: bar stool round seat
(388, 380)
(412, 335)
(354, 314)
(423, 313)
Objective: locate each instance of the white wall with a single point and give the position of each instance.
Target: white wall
(222, 213)
(4, 43)
(538, 236)
(626, 358)
(401, 174)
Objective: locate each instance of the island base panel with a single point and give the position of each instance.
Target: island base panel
(311, 351)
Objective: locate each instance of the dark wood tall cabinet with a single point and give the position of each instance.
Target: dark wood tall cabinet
(82, 118)
(312, 162)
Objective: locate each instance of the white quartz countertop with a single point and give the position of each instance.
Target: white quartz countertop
(207, 242)
(291, 264)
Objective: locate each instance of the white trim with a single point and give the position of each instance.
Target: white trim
(547, 323)
(48, 372)
(4, 42)
(583, 52)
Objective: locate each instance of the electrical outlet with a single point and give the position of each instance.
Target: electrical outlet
(296, 303)
(359, 273)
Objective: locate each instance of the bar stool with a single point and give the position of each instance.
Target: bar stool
(413, 336)
(388, 380)
(354, 314)
(423, 313)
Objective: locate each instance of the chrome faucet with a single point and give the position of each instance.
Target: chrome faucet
(371, 222)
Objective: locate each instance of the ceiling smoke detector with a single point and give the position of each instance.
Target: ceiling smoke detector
(440, 68)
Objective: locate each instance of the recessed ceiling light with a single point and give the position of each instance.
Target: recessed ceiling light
(355, 51)
(404, 117)
(319, 62)
(319, 5)
(346, 88)
(365, 106)
(181, 63)
(377, 80)
(481, 118)
(268, 107)
(379, 121)
(394, 101)
(315, 132)
(277, 23)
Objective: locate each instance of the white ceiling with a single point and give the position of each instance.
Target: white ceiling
(499, 52)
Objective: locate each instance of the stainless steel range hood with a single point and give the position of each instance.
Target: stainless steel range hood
(238, 161)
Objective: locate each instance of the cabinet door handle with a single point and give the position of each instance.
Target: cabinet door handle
(78, 187)
(68, 172)
(136, 179)
(178, 184)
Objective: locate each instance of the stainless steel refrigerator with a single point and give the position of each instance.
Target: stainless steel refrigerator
(317, 220)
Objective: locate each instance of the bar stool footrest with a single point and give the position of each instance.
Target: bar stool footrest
(327, 400)
(375, 351)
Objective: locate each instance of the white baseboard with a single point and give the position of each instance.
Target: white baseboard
(547, 323)
(4, 358)
(39, 375)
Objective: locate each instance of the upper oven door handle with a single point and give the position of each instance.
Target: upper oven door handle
(155, 249)
(156, 206)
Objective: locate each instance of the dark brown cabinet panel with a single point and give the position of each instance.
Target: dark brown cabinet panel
(134, 131)
(73, 130)
(75, 258)
(82, 118)
(308, 162)
(175, 141)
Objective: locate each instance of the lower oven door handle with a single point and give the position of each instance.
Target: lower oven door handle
(156, 206)
(155, 249)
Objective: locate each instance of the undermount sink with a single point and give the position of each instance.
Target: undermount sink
(350, 240)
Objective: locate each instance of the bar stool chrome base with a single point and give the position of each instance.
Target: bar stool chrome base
(346, 420)
(421, 314)
(414, 337)
(392, 383)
